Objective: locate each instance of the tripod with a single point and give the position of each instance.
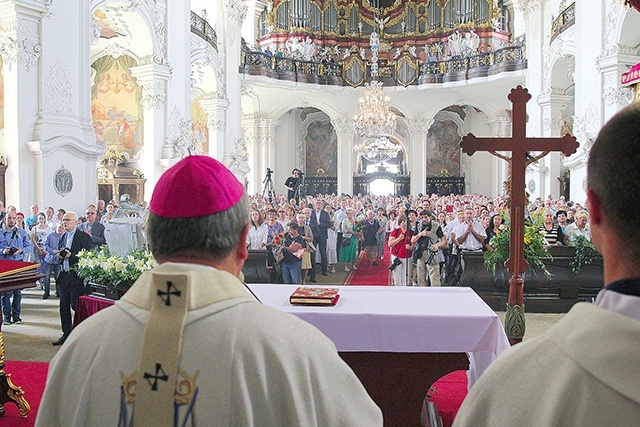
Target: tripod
(269, 188)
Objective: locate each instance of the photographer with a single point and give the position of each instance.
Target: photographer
(14, 243)
(428, 241)
(400, 244)
(292, 185)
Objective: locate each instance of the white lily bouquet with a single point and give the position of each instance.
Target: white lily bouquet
(102, 268)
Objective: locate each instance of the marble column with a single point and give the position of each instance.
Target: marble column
(233, 147)
(417, 152)
(500, 127)
(346, 156)
(553, 105)
(20, 47)
(216, 109)
(153, 79)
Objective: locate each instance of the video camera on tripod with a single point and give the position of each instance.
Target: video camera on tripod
(268, 177)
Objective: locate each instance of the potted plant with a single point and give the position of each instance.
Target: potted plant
(586, 253)
(535, 246)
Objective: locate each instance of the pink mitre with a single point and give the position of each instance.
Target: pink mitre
(195, 186)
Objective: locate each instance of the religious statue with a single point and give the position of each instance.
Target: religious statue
(381, 23)
(506, 185)
(471, 42)
(455, 43)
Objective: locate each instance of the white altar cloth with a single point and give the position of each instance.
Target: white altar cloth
(403, 319)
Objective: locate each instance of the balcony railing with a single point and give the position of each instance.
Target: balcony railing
(510, 58)
(566, 19)
(202, 29)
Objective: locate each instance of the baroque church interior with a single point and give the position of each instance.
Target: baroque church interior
(98, 98)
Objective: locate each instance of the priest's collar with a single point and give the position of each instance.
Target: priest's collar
(207, 285)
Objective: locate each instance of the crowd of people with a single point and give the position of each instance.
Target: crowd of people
(53, 239)
(425, 233)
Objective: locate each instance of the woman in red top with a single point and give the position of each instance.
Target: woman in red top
(400, 244)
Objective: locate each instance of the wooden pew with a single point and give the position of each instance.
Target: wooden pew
(556, 294)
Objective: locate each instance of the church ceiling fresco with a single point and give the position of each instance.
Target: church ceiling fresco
(109, 24)
(199, 126)
(115, 104)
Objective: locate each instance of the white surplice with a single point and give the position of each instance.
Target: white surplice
(582, 372)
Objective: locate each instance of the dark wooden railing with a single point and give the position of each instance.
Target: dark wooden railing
(566, 19)
(201, 28)
(510, 58)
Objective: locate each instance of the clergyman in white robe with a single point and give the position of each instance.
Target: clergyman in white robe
(241, 364)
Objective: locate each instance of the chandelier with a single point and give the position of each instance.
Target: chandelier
(375, 120)
(377, 150)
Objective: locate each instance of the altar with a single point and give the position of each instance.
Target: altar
(399, 340)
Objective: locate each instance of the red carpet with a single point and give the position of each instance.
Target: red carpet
(451, 391)
(369, 275)
(31, 377)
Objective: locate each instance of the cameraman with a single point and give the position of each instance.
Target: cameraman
(429, 238)
(292, 185)
(14, 243)
(400, 244)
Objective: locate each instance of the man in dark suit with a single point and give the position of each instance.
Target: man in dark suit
(93, 227)
(319, 223)
(70, 285)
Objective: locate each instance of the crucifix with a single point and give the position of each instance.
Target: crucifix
(519, 146)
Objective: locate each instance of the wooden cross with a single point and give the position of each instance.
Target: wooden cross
(519, 146)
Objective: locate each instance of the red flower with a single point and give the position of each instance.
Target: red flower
(278, 240)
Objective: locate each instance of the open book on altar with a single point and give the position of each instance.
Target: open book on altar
(314, 296)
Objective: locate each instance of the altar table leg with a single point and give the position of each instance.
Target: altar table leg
(8, 391)
(399, 382)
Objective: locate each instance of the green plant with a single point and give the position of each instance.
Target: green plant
(101, 267)
(534, 246)
(585, 252)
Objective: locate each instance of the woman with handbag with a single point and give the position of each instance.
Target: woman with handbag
(349, 242)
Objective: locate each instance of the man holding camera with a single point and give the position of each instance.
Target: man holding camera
(69, 285)
(428, 241)
(14, 243)
(292, 185)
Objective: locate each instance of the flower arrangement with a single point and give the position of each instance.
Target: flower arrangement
(277, 248)
(278, 239)
(103, 268)
(534, 246)
(586, 253)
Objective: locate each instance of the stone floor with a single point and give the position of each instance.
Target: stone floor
(32, 339)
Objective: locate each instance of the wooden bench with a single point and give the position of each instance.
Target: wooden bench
(556, 294)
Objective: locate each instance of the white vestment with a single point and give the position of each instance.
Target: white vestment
(584, 371)
(242, 364)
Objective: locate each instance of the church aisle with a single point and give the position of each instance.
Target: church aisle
(370, 275)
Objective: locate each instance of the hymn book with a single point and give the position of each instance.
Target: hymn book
(314, 296)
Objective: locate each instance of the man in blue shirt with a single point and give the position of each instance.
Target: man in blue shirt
(14, 243)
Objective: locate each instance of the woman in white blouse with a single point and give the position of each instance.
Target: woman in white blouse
(257, 237)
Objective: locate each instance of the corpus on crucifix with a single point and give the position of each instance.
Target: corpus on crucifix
(519, 145)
